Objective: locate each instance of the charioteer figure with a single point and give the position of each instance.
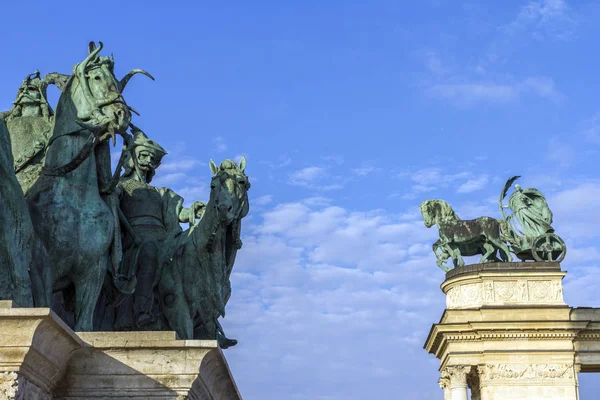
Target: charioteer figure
(528, 230)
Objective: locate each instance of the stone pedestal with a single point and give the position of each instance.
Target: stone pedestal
(508, 333)
(42, 359)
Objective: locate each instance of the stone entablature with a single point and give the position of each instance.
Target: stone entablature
(527, 283)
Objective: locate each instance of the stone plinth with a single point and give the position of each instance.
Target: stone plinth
(507, 334)
(42, 359)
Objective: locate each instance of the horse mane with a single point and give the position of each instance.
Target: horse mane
(444, 210)
(229, 165)
(65, 114)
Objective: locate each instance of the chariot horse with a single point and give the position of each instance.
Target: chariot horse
(464, 237)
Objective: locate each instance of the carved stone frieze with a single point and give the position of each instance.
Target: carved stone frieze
(14, 386)
(477, 292)
(538, 372)
(9, 384)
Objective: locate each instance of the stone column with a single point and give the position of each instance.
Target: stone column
(458, 381)
(444, 383)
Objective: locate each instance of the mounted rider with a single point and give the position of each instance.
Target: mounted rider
(29, 123)
(150, 218)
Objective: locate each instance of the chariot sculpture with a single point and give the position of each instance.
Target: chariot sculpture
(526, 232)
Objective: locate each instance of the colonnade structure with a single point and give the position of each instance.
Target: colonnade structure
(507, 333)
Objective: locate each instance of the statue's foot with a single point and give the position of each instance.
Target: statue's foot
(225, 342)
(143, 319)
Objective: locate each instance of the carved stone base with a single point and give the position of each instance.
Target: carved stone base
(493, 284)
(507, 334)
(42, 359)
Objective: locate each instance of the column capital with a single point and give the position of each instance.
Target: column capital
(444, 382)
(457, 374)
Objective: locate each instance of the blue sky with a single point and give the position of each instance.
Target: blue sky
(350, 114)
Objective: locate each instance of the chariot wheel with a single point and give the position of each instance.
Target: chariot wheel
(548, 247)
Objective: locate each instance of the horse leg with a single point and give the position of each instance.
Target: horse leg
(489, 250)
(504, 251)
(87, 291)
(174, 307)
(41, 276)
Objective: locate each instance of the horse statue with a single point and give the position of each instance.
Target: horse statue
(71, 205)
(194, 285)
(460, 238)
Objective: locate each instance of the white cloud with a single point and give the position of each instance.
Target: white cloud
(168, 180)
(473, 185)
(577, 211)
(310, 270)
(181, 165)
(472, 92)
(263, 200)
(430, 179)
(560, 153)
(469, 93)
(315, 177)
(307, 175)
(434, 63)
(219, 144)
(592, 129)
(544, 19)
(364, 170)
(198, 192)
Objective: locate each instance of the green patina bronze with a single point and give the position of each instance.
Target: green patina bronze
(106, 250)
(527, 232)
(460, 238)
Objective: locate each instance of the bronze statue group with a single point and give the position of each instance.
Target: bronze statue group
(527, 232)
(105, 249)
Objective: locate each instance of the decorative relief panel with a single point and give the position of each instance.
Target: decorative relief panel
(537, 372)
(502, 291)
(505, 291)
(9, 384)
(15, 387)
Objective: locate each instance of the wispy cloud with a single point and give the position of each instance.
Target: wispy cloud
(591, 131)
(283, 161)
(470, 92)
(482, 80)
(179, 165)
(364, 170)
(315, 177)
(430, 179)
(473, 185)
(560, 152)
(263, 200)
(219, 144)
(544, 19)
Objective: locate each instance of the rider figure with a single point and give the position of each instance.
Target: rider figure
(141, 205)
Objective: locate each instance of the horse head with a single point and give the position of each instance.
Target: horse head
(91, 99)
(229, 190)
(98, 95)
(428, 212)
(436, 210)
